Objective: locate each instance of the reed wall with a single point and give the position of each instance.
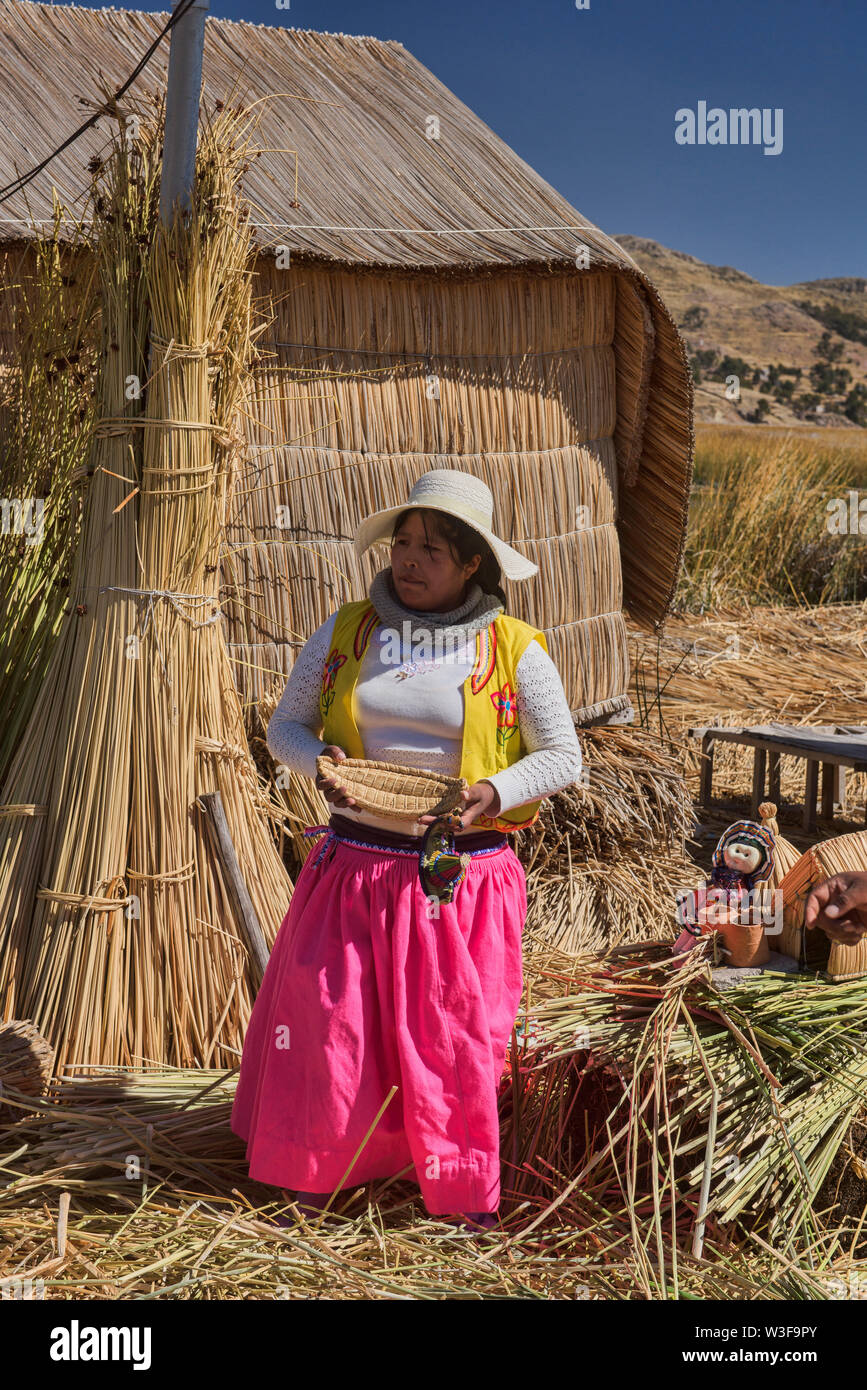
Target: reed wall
(366, 381)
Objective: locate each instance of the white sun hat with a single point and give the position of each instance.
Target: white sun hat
(458, 494)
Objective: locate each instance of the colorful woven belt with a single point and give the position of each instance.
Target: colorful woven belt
(442, 856)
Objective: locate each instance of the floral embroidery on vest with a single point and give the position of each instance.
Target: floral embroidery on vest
(332, 666)
(505, 702)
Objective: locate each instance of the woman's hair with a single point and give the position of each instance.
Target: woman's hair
(463, 542)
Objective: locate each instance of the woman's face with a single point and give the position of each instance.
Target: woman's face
(424, 571)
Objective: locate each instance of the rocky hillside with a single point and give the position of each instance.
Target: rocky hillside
(799, 351)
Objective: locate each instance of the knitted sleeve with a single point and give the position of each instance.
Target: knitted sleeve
(553, 759)
(293, 730)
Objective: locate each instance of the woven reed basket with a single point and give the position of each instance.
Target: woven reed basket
(842, 854)
(388, 789)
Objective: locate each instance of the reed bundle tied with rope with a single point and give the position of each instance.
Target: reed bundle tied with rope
(116, 930)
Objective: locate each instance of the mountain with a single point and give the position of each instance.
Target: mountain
(724, 313)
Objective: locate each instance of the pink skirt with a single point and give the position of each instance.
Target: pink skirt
(367, 988)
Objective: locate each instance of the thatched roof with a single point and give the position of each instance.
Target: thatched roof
(372, 191)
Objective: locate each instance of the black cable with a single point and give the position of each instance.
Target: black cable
(21, 182)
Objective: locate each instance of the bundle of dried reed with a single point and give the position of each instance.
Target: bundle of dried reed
(47, 405)
(65, 803)
(118, 935)
(188, 734)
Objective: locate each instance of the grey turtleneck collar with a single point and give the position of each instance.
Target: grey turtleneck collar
(477, 611)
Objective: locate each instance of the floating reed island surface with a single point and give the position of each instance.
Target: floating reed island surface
(130, 1184)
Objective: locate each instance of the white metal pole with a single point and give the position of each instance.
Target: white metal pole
(182, 108)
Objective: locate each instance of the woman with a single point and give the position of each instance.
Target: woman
(374, 982)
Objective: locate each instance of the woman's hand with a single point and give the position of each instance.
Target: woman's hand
(482, 798)
(330, 786)
(839, 907)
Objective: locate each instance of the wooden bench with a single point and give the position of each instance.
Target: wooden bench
(833, 746)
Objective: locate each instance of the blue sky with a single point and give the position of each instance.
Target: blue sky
(588, 97)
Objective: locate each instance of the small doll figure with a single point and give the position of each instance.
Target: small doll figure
(742, 860)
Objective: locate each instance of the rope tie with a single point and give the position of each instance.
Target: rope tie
(194, 351)
(232, 752)
(175, 599)
(89, 902)
(122, 424)
(179, 875)
(22, 809)
(113, 426)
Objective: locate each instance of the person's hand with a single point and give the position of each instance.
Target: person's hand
(482, 798)
(330, 786)
(839, 907)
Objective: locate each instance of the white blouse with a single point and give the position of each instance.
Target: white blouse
(413, 714)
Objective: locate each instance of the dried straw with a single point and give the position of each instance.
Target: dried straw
(47, 402)
(117, 933)
(754, 1086)
(606, 857)
(159, 1205)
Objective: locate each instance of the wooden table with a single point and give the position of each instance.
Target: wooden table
(834, 746)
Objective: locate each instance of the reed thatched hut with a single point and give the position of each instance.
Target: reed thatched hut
(435, 304)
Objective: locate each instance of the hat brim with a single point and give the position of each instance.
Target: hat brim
(379, 527)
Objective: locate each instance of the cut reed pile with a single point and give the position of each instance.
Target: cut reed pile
(125, 1186)
(117, 936)
(47, 402)
(685, 1107)
(606, 856)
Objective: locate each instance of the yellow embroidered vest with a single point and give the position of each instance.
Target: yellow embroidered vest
(491, 736)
